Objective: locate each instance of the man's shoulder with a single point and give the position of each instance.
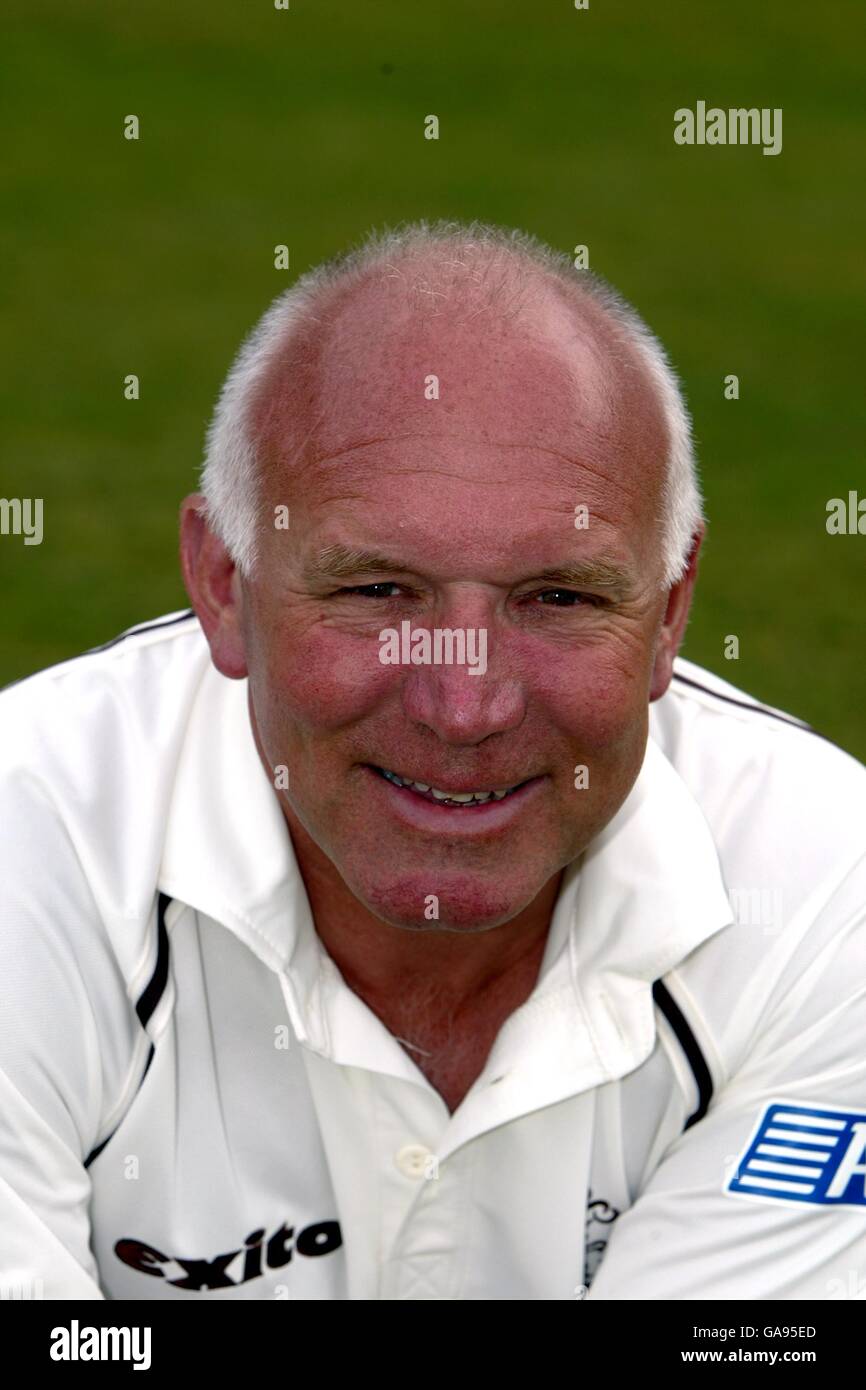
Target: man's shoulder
(120, 653)
(757, 770)
(89, 751)
(785, 807)
(740, 717)
(140, 675)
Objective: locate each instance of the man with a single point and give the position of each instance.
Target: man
(340, 963)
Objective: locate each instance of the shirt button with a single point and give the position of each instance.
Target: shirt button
(415, 1160)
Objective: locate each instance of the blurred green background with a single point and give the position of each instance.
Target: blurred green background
(305, 126)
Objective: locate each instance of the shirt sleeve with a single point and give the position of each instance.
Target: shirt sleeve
(686, 1236)
(62, 1007)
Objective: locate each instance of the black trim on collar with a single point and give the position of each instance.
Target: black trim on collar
(98, 1150)
(755, 708)
(154, 989)
(147, 1002)
(91, 651)
(689, 1044)
(136, 631)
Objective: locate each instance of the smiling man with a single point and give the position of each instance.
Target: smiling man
(398, 978)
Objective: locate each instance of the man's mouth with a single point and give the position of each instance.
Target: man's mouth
(444, 796)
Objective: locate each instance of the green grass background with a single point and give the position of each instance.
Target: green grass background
(261, 126)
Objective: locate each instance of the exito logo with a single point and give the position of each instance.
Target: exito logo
(236, 1266)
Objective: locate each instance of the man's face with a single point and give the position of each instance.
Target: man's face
(471, 500)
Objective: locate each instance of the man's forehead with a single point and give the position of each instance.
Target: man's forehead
(392, 360)
(380, 520)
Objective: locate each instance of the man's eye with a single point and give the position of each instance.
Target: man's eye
(370, 590)
(566, 598)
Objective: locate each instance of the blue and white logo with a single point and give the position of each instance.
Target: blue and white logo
(805, 1153)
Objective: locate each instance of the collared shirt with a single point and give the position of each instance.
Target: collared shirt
(194, 1104)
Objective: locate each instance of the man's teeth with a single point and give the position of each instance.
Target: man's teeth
(461, 798)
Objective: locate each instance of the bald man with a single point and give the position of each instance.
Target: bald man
(364, 972)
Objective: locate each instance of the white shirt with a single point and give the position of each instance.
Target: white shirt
(193, 1104)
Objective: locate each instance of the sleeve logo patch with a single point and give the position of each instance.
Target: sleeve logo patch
(803, 1153)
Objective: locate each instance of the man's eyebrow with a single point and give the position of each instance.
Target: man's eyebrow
(346, 562)
(598, 572)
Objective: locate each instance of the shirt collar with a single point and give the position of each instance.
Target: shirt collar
(641, 898)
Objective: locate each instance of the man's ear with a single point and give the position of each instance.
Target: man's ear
(674, 622)
(214, 587)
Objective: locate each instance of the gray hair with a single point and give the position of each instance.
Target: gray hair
(230, 474)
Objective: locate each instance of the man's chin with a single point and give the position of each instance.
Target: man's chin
(445, 902)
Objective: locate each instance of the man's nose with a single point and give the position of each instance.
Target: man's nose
(462, 704)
